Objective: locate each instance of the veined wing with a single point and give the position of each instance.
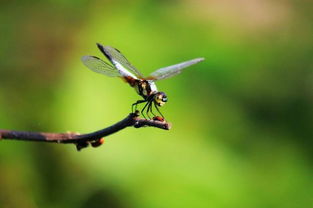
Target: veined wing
(97, 65)
(173, 70)
(119, 60)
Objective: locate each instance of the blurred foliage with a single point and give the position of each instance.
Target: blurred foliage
(242, 120)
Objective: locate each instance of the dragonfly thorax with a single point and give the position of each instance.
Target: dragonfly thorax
(148, 90)
(145, 88)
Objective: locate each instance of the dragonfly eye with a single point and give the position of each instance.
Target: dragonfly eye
(163, 97)
(160, 98)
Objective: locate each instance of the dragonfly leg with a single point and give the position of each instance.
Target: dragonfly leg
(136, 103)
(158, 110)
(149, 109)
(142, 111)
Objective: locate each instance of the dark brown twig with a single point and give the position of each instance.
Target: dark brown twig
(82, 140)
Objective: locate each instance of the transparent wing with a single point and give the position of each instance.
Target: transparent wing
(97, 65)
(118, 59)
(173, 70)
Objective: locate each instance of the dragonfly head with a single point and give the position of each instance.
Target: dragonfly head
(160, 98)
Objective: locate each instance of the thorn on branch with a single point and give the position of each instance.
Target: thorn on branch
(81, 145)
(98, 142)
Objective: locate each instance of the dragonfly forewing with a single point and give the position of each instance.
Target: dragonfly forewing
(170, 71)
(97, 65)
(119, 60)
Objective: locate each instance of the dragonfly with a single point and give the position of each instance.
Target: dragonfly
(144, 86)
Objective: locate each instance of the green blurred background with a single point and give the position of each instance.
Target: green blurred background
(242, 120)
